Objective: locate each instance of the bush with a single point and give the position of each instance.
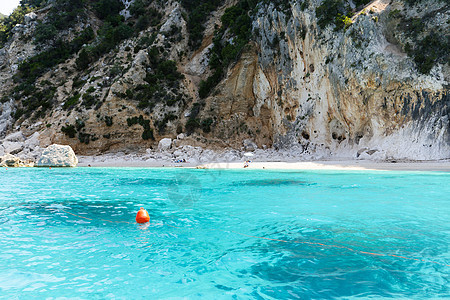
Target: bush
(191, 125)
(89, 100)
(198, 13)
(148, 131)
(37, 65)
(19, 112)
(145, 16)
(36, 102)
(359, 3)
(116, 70)
(69, 130)
(44, 32)
(72, 101)
(84, 137)
(139, 7)
(32, 3)
(207, 86)
(108, 121)
(428, 48)
(142, 23)
(431, 49)
(108, 36)
(206, 125)
(107, 8)
(83, 60)
(4, 99)
(236, 21)
(77, 82)
(168, 70)
(161, 125)
(79, 124)
(332, 12)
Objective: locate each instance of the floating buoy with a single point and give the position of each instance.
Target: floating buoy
(142, 216)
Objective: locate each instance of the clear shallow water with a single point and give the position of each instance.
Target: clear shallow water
(223, 234)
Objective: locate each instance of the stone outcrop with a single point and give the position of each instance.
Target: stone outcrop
(57, 156)
(12, 161)
(27, 148)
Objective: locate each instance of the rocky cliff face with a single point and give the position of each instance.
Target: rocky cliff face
(343, 92)
(364, 86)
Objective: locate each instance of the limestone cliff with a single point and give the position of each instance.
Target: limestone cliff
(318, 78)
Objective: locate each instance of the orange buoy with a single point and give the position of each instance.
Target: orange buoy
(142, 216)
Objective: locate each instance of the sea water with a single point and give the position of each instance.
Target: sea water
(223, 234)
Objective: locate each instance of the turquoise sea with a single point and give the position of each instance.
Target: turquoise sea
(223, 234)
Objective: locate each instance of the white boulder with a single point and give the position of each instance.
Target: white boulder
(164, 144)
(12, 147)
(57, 156)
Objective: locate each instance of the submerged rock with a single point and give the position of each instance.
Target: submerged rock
(57, 156)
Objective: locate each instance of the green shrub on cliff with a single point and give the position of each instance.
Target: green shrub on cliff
(145, 16)
(71, 101)
(229, 41)
(108, 37)
(428, 51)
(105, 9)
(69, 130)
(148, 131)
(37, 65)
(198, 13)
(335, 12)
(44, 32)
(206, 125)
(426, 47)
(8, 23)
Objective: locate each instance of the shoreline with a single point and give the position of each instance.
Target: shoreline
(349, 165)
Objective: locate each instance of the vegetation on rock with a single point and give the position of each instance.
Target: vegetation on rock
(426, 46)
(148, 131)
(229, 41)
(198, 13)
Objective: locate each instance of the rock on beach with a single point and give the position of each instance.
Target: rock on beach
(58, 156)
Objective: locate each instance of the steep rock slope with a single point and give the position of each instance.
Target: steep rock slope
(320, 79)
